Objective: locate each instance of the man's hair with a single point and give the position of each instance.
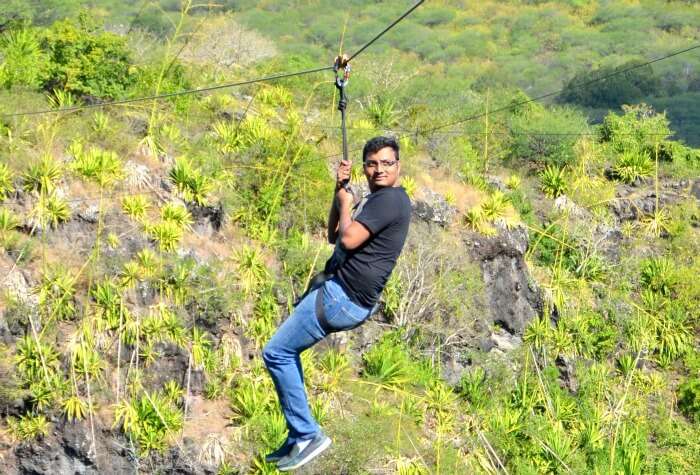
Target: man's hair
(377, 143)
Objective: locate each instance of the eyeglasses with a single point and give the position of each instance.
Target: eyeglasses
(384, 163)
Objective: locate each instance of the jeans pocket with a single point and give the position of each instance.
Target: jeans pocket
(347, 316)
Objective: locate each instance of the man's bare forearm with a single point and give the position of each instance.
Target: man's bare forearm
(344, 219)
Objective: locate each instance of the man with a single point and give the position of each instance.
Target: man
(367, 247)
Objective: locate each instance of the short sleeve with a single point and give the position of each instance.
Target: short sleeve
(379, 212)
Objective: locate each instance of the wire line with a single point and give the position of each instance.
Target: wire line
(212, 88)
(169, 94)
(575, 86)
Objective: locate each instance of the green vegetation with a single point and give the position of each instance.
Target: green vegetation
(178, 233)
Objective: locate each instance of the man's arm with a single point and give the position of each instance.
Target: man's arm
(333, 218)
(351, 233)
(334, 215)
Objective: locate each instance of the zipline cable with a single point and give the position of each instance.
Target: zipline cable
(169, 94)
(272, 77)
(574, 86)
(381, 33)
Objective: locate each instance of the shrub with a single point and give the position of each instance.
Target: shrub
(689, 399)
(613, 91)
(639, 128)
(546, 135)
(84, 61)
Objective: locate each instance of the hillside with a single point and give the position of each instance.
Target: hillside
(543, 317)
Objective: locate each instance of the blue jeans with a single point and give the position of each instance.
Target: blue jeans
(298, 332)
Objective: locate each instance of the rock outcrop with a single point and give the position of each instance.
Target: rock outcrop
(513, 296)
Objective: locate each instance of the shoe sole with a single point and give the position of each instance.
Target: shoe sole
(317, 451)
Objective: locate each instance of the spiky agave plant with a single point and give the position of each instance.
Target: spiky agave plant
(150, 265)
(8, 223)
(108, 302)
(74, 408)
(35, 359)
(136, 206)
(6, 185)
(166, 234)
(251, 268)
(250, 398)
(382, 111)
(658, 274)
(190, 182)
(477, 220)
(553, 181)
(101, 166)
(388, 362)
(28, 426)
(100, 123)
(633, 164)
(176, 213)
(149, 419)
(227, 137)
(658, 223)
(57, 294)
(42, 177)
(409, 185)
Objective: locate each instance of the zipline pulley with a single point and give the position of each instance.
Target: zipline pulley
(341, 82)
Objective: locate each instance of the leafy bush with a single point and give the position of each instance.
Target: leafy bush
(632, 165)
(638, 129)
(546, 136)
(689, 398)
(614, 91)
(84, 61)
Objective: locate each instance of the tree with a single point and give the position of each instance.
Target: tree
(609, 87)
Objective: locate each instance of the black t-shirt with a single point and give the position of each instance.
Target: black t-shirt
(386, 215)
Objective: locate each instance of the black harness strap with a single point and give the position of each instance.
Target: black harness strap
(320, 313)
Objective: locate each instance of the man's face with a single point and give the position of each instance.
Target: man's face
(382, 169)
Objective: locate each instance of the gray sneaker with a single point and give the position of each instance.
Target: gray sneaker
(304, 452)
(279, 454)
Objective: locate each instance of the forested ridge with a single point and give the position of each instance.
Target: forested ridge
(543, 317)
